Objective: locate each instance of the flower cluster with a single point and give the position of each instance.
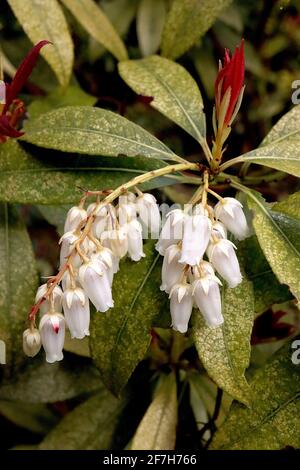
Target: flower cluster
(187, 277)
(94, 241)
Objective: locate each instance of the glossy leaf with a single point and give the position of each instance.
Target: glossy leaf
(199, 16)
(18, 283)
(120, 337)
(40, 22)
(157, 430)
(149, 24)
(96, 23)
(273, 420)
(225, 350)
(94, 131)
(89, 426)
(174, 92)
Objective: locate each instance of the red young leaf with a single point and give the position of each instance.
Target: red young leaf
(6, 129)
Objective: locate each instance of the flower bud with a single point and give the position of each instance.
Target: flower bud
(181, 306)
(148, 211)
(57, 298)
(207, 296)
(74, 217)
(196, 235)
(94, 280)
(135, 240)
(77, 312)
(52, 330)
(230, 212)
(171, 269)
(222, 255)
(31, 342)
(172, 230)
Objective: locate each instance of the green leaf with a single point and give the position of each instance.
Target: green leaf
(37, 417)
(96, 23)
(41, 382)
(18, 283)
(120, 337)
(90, 426)
(157, 430)
(94, 131)
(40, 22)
(175, 93)
(289, 206)
(186, 22)
(77, 346)
(274, 419)
(149, 24)
(59, 98)
(47, 178)
(281, 147)
(278, 236)
(225, 350)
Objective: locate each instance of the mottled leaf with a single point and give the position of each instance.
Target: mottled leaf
(225, 350)
(149, 25)
(94, 131)
(274, 419)
(175, 93)
(289, 206)
(186, 22)
(96, 23)
(41, 22)
(18, 283)
(89, 426)
(157, 430)
(120, 337)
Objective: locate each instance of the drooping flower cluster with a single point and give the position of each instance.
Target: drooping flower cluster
(189, 279)
(94, 241)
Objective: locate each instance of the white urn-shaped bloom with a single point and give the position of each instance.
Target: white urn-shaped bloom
(116, 240)
(57, 298)
(67, 242)
(196, 236)
(207, 296)
(31, 342)
(135, 240)
(148, 211)
(126, 212)
(77, 312)
(222, 255)
(74, 217)
(230, 212)
(95, 282)
(172, 230)
(181, 306)
(172, 270)
(52, 331)
(219, 229)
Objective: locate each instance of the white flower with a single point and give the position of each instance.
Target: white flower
(67, 242)
(31, 342)
(74, 217)
(100, 225)
(172, 270)
(207, 296)
(126, 212)
(106, 256)
(230, 212)
(135, 240)
(219, 230)
(222, 255)
(196, 235)
(116, 240)
(94, 280)
(52, 330)
(77, 312)
(181, 306)
(148, 211)
(172, 230)
(57, 298)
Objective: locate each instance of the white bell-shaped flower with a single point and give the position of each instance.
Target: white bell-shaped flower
(94, 280)
(57, 298)
(31, 342)
(52, 330)
(219, 230)
(77, 312)
(149, 215)
(222, 255)
(74, 217)
(181, 306)
(106, 256)
(67, 242)
(172, 270)
(230, 212)
(116, 240)
(135, 240)
(207, 296)
(196, 236)
(126, 212)
(172, 230)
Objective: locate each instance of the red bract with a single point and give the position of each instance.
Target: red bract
(230, 76)
(13, 109)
